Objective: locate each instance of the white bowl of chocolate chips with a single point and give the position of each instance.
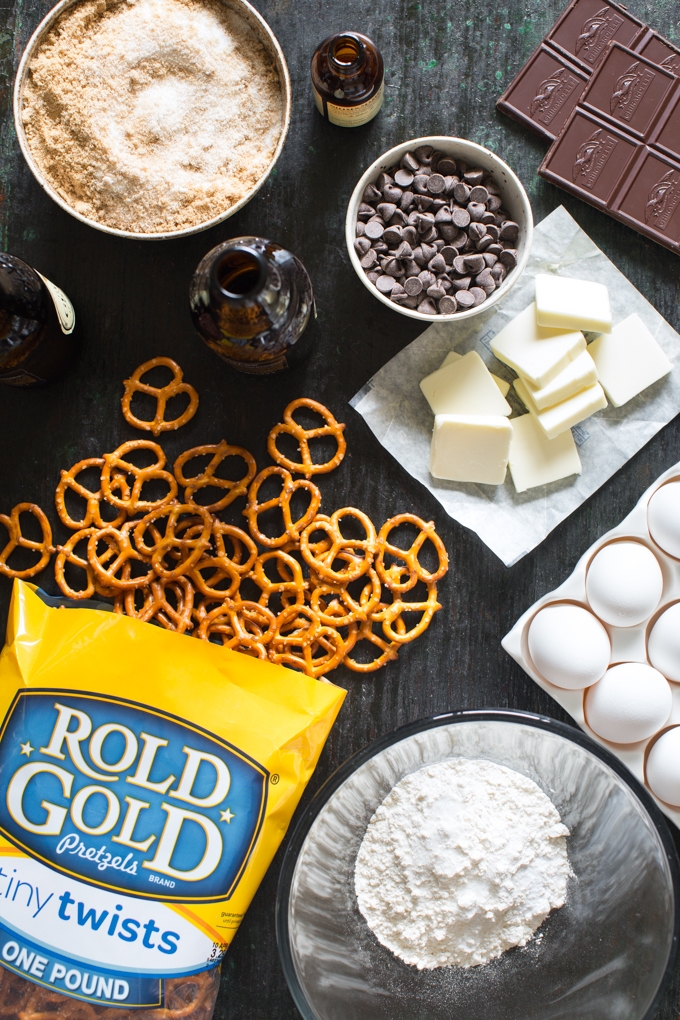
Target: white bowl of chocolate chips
(439, 228)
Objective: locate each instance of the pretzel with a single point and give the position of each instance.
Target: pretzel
(391, 576)
(66, 554)
(388, 649)
(131, 502)
(340, 547)
(92, 516)
(337, 608)
(156, 606)
(297, 638)
(222, 565)
(191, 549)
(14, 991)
(243, 626)
(393, 625)
(207, 477)
(46, 1004)
(162, 394)
(292, 528)
(189, 997)
(292, 583)
(289, 426)
(18, 541)
(125, 554)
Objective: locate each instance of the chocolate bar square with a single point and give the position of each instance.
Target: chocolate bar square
(650, 199)
(544, 93)
(667, 133)
(587, 26)
(629, 89)
(660, 51)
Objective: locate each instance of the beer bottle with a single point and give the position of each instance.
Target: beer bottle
(251, 301)
(348, 79)
(37, 324)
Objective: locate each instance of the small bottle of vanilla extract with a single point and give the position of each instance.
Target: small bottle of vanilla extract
(251, 301)
(37, 326)
(348, 79)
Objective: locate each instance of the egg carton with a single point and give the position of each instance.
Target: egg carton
(628, 644)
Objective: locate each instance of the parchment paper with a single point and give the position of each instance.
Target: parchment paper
(513, 524)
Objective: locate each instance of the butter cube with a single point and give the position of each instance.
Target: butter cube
(560, 417)
(628, 360)
(563, 303)
(536, 353)
(502, 384)
(537, 460)
(470, 448)
(464, 386)
(576, 376)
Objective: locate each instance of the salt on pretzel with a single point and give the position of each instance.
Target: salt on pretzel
(391, 617)
(336, 606)
(189, 548)
(92, 516)
(243, 626)
(67, 554)
(18, 541)
(302, 436)
(124, 556)
(300, 640)
(115, 465)
(340, 548)
(289, 487)
(208, 479)
(412, 570)
(161, 394)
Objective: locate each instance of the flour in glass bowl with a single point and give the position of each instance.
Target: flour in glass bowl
(152, 115)
(462, 860)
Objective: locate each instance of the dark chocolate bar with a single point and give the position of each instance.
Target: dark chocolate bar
(657, 49)
(666, 134)
(544, 94)
(649, 199)
(585, 28)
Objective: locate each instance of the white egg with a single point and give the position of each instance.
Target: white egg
(624, 583)
(663, 518)
(569, 646)
(663, 646)
(630, 703)
(663, 767)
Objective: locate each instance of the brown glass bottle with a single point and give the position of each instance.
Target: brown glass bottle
(251, 301)
(37, 326)
(348, 79)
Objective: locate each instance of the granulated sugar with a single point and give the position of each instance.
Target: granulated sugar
(152, 115)
(461, 861)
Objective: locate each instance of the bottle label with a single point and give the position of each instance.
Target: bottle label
(63, 307)
(350, 116)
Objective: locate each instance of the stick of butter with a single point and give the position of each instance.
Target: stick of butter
(537, 460)
(628, 360)
(536, 353)
(464, 386)
(470, 448)
(560, 417)
(575, 377)
(502, 384)
(563, 303)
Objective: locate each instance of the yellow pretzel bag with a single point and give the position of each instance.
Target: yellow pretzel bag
(146, 782)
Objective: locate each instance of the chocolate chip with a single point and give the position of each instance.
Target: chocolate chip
(392, 236)
(427, 278)
(499, 273)
(413, 286)
(448, 253)
(373, 275)
(431, 236)
(444, 282)
(461, 193)
(406, 201)
(409, 161)
(419, 257)
(423, 203)
(486, 281)
(386, 210)
(459, 239)
(434, 159)
(360, 228)
(495, 248)
(448, 231)
(429, 251)
(493, 203)
(391, 193)
(492, 230)
(476, 231)
(383, 181)
(365, 211)
(371, 194)
(448, 305)
(399, 218)
(451, 183)
(397, 291)
(459, 265)
(508, 257)
(411, 267)
(404, 251)
(465, 299)
(460, 217)
(437, 264)
(436, 291)
(490, 260)
(426, 307)
(491, 186)
(474, 176)
(509, 231)
(379, 246)
(476, 210)
(488, 218)
(369, 259)
(385, 284)
(479, 194)
(425, 221)
(403, 178)
(446, 166)
(361, 245)
(420, 184)
(424, 153)
(478, 294)
(484, 242)
(443, 215)
(436, 184)
(374, 229)
(462, 284)
(474, 263)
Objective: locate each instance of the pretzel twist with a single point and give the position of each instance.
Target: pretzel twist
(190, 549)
(392, 576)
(161, 394)
(208, 478)
(388, 649)
(243, 626)
(156, 606)
(340, 547)
(92, 516)
(289, 487)
(302, 436)
(18, 541)
(132, 502)
(67, 554)
(292, 583)
(391, 617)
(124, 556)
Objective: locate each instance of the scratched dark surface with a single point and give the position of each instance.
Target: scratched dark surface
(446, 62)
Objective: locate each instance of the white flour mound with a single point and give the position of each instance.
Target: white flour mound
(461, 861)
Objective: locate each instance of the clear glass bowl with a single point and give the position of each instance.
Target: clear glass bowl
(605, 955)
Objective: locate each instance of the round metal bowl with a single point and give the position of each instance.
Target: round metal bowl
(271, 45)
(515, 200)
(607, 954)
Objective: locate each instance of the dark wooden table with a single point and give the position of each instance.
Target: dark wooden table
(446, 62)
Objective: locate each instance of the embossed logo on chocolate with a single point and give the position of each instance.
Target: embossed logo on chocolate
(552, 94)
(663, 200)
(629, 90)
(591, 158)
(596, 33)
(671, 63)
